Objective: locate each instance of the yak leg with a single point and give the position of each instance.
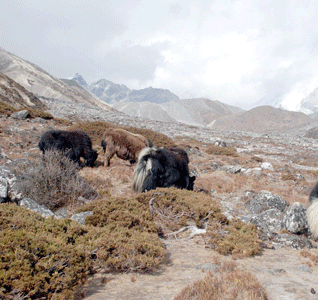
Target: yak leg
(108, 156)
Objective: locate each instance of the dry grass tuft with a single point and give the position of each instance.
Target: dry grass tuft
(6, 109)
(229, 283)
(217, 150)
(34, 113)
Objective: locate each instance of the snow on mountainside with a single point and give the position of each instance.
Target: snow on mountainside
(42, 84)
(309, 104)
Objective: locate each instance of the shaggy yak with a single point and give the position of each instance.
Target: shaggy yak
(74, 144)
(162, 167)
(125, 144)
(312, 211)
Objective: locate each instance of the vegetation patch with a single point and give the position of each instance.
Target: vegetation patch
(173, 208)
(40, 258)
(236, 238)
(229, 283)
(6, 109)
(49, 258)
(96, 130)
(54, 181)
(37, 113)
(217, 150)
(116, 213)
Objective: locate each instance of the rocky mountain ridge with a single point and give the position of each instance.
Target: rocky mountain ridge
(42, 84)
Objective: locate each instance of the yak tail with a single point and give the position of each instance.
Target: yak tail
(144, 165)
(103, 144)
(312, 211)
(150, 143)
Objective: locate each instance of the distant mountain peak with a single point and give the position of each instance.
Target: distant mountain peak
(80, 80)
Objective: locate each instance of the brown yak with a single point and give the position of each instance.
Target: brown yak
(125, 144)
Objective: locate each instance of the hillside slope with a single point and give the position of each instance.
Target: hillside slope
(263, 119)
(42, 84)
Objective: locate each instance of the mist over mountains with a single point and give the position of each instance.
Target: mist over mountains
(37, 87)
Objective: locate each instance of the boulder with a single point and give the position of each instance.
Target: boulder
(265, 200)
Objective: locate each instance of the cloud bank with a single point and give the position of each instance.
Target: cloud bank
(238, 52)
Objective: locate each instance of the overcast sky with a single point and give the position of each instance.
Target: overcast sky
(237, 52)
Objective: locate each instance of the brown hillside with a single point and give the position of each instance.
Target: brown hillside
(263, 119)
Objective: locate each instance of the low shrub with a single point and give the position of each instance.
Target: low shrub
(174, 208)
(236, 238)
(40, 258)
(54, 181)
(48, 258)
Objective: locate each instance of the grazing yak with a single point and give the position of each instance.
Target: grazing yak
(73, 144)
(162, 167)
(124, 144)
(312, 211)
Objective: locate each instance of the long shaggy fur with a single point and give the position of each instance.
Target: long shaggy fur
(312, 211)
(162, 167)
(73, 144)
(124, 144)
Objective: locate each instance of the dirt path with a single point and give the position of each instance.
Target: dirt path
(284, 273)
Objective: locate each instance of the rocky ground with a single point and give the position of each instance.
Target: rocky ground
(290, 171)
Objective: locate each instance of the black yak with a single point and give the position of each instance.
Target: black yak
(124, 144)
(73, 144)
(312, 211)
(162, 167)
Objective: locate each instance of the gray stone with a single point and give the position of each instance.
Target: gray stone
(80, 218)
(265, 200)
(234, 170)
(295, 218)
(267, 166)
(34, 206)
(4, 187)
(292, 241)
(269, 221)
(253, 171)
(20, 115)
